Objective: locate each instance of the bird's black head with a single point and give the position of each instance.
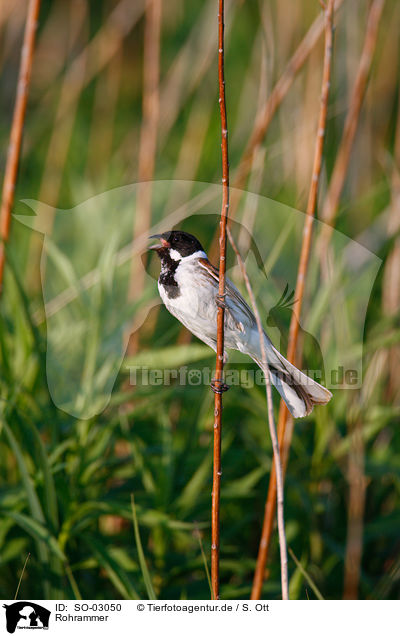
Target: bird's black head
(178, 242)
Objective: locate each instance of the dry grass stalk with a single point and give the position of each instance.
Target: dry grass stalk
(300, 285)
(221, 313)
(148, 143)
(355, 472)
(390, 358)
(105, 105)
(356, 506)
(184, 77)
(272, 430)
(331, 204)
(186, 168)
(101, 48)
(21, 576)
(296, 61)
(58, 147)
(357, 481)
(14, 148)
(276, 97)
(11, 18)
(391, 278)
(266, 113)
(188, 69)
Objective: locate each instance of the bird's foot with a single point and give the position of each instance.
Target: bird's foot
(218, 386)
(220, 301)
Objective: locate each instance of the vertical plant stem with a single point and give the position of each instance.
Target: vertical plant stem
(105, 104)
(14, 148)
(221, 312)
(98, 52)
(355, 512)
(22, 576)
(277, 95)
(355, 474)
(148, 143)
(331, 204)
(266, 114)
(300, 285)
(58, 147)
(272, 430)
(391, 277)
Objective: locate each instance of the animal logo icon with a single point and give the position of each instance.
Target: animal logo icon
(25, 614)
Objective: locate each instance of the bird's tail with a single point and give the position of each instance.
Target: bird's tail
(299, 392)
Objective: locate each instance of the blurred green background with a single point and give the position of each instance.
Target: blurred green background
(102, 115)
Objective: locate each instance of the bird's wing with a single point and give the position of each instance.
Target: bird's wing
(236, 306)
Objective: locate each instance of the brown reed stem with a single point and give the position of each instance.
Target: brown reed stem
(271, 423)
(391, 276)
(148, 144)
(331, 204)
(357, 482)
(277, 95)
(57, 150)
(14, 148)
(355, 512)
(221, 312)
(293, 66)
(99, 51)
(300, 285)
(266, 114)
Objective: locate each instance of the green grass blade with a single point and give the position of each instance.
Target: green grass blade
(38, 531)
(142, 560)
(191, 492)
(306, 576)
(37, 338)
(116, 574)
(33, 499)
(72, 582)
(49, 487)
(205, 563)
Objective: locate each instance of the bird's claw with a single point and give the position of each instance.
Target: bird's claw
(218, 386)
(220, 301)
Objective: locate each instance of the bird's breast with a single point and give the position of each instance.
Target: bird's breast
(187, 294)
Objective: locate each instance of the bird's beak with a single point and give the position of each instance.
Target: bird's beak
(162, 244)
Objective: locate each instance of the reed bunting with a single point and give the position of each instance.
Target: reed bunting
(188, 286)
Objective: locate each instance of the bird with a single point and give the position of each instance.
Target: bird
(188, 286)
